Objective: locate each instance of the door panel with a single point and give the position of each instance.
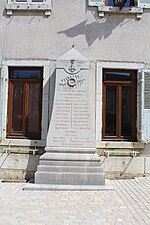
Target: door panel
(126, 116)
(17, 107)
(111, 110)
(34, 101)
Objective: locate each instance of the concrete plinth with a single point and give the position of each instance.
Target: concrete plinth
(69, 168)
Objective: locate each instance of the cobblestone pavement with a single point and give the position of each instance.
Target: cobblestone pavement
(128, 204)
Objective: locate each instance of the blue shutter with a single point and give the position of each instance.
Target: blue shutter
(111, 2)
(127, 3)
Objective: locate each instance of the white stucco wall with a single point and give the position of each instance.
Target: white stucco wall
(31, 38)
(115, 37)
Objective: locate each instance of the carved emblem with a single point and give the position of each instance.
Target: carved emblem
(72, 81)
(72, 69)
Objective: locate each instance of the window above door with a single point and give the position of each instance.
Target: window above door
(29, 5)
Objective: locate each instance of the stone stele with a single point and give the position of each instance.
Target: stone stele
(70, 157)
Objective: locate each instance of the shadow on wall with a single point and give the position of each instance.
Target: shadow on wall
(99, 29)
(52, 84)
(33, 161)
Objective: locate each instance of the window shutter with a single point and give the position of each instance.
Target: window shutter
(140, 105)
(144, 106)
(0, 105)
(144, 3)
(96, 2)
(147, 106)
(147, 90)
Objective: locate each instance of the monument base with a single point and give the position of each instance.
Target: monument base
(62, 166)
(55, 187)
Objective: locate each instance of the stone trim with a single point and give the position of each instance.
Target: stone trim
(46, 6)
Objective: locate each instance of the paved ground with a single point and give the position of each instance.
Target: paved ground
(128, 204)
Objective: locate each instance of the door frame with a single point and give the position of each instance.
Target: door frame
(25, 81)
(118, 85)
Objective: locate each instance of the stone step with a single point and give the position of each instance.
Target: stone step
(70, 157)
(55, 187)
(69, 178)
(69, 163)
(74, 169)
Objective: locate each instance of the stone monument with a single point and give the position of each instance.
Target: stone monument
(70, 157)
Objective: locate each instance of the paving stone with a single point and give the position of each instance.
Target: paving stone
(128, 204)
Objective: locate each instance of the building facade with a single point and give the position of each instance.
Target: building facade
(114, 37)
